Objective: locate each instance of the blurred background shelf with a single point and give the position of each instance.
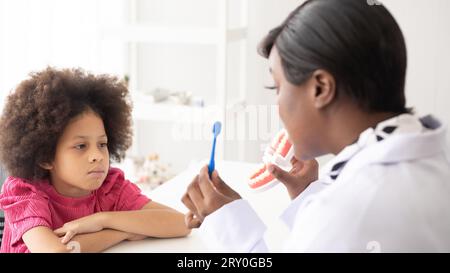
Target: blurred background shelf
(203, 52)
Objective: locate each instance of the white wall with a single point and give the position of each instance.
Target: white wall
(426, 27)
(60, 33)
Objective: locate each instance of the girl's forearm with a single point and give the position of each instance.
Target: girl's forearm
(96, 241)
(160, 223)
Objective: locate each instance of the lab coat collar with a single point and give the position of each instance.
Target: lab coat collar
(402, 147)
(412, 138)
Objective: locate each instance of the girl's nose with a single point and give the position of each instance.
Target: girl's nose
(95, 157)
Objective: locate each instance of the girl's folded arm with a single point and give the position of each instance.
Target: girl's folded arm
(43, 239)
(153, 220)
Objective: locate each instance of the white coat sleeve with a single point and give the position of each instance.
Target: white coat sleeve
(234, 227)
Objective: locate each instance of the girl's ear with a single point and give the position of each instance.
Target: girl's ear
(325, 88)
(46, 166)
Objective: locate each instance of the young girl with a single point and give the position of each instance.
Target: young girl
(57, 134)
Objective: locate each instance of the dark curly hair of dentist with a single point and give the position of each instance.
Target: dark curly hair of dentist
(37, 112)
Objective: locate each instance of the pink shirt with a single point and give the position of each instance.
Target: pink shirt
(28, 205)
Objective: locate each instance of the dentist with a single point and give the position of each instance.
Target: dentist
(339, 71)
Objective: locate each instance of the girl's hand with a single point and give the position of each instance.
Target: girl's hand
(88, 224)
(299, 177)
(205, 195)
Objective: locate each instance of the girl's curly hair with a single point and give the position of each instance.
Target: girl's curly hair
(36, 114)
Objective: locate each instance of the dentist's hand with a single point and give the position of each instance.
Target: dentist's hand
(299, 177)
(205, 195)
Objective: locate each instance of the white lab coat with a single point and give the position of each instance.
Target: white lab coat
(392, 196)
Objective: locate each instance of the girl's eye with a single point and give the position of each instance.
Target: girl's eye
(103, 145)
(80, 146)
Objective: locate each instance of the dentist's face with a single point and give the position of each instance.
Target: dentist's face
(297, 111)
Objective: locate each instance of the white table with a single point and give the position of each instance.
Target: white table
(269, 205)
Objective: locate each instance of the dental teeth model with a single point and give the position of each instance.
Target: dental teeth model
(279, 153)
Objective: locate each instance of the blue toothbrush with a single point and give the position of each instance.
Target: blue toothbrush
(216, 131)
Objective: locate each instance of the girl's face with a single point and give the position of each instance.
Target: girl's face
(297, 111)
(82, 159)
